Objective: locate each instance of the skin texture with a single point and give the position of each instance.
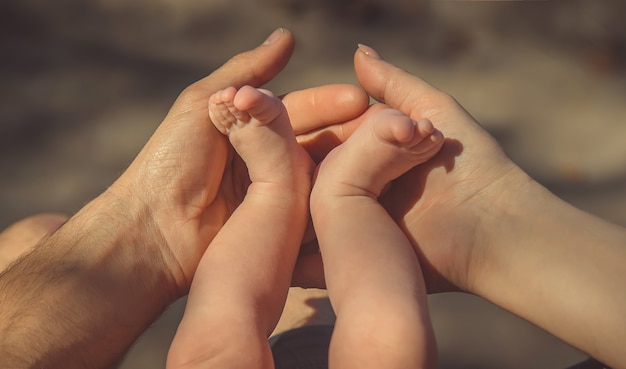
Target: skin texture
(242, 281)
(479, 224)
(134, 249)
(373, 277)
(476, 221)
(22, 237)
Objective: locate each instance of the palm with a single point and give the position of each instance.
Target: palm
(190, 179)
(438, 204)
(196, 181)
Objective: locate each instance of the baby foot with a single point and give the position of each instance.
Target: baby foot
(383, 148)
(258, 127)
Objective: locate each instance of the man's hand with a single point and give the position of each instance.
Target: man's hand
(87, 291)
(189, 179)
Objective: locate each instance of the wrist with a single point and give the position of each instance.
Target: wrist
(137, 238)
(504, 211)
(557, 267)
(91, 289)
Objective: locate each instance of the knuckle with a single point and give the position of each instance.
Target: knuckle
(188, 95)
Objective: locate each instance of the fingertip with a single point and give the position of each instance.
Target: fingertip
(280, 34)
(355, 98)
(370, 72)
(324, 106)
(281, 38)
(368, 51)
(390, 84)
(253, 67)
(274, 36)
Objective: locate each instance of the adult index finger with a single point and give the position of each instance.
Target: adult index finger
(323, 106)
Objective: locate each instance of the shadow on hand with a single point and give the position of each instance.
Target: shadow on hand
(407, 194)
(404, 193)
(320, 144)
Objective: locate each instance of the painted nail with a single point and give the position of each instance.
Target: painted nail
(369, 51)
(275, 36)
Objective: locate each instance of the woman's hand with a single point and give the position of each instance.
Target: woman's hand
(480, 224)
(443, 205)
(440, 204)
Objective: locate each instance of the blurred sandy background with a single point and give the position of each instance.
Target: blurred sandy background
(84, 84)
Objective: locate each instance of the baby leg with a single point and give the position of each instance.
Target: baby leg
(242, 281)
(372, 274)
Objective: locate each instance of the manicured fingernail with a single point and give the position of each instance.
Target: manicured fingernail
(275, 36)
(369, 51)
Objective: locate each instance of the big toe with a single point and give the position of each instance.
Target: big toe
(261, 104)
(394, 127)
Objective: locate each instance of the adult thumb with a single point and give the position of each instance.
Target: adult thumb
(393, 86)
(255, 68)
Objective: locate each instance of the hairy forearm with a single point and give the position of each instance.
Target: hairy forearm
(560, 268)
(84, 294)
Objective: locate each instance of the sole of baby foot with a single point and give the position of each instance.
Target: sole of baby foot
(384, 147)
(258, 127)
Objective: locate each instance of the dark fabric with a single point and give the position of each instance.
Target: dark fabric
(302, 348)
(589, 364)
(307, 348)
